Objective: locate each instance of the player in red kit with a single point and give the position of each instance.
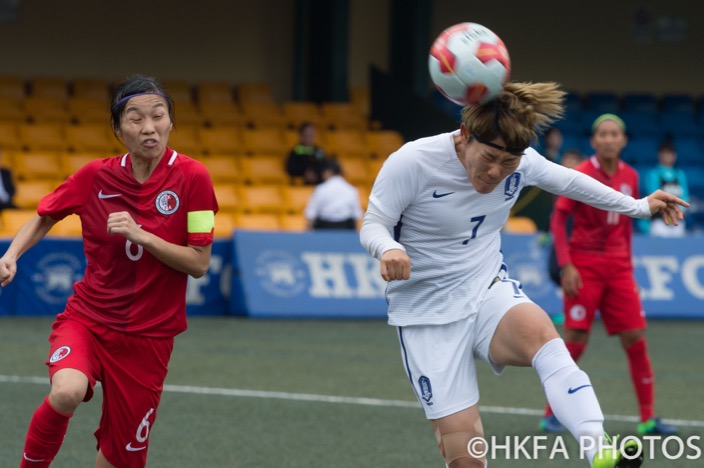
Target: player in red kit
(148, 219)
(597, 271)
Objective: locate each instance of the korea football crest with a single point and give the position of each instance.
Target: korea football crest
(511, 185)
(167, 202)
(426, 390)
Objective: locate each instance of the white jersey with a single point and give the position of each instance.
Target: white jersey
(334, 200)
(422, 202)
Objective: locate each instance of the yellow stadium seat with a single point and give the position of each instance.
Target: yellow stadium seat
(296, 197)
(221, 113)
(49, 86)
(187, 113)
(224, 168)
(263, 114)
(364, 192)
(343, 115)
(351, 143)
(293, 222)
(45, 109)
(11, 110)
(94, 89)
(93, 137)
(9, 136)
(264, 141)
(226, 194)
(249, 92)
(179, 90)
(32, 165)
(12, 87)
(298, 112)
(356, 171)
(257, 222)
(263, 169)
(72, 162)
(359, 97)
(43, 136)
(260, 198)
(221, 140)
(13, 220)
(185, 139)
(29, 192)
(224, 224)
(374, 167)
(382, 143)
(69, 226)
(520, 225)
(85, 110)
(214, 91)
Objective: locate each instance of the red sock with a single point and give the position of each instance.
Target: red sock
(642, 377)
(576, 350)
(44, 437)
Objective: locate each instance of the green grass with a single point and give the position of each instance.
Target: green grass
(357, 359)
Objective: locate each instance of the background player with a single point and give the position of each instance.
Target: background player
(597, 271)
(148, 219)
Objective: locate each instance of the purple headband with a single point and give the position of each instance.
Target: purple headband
(127, 98)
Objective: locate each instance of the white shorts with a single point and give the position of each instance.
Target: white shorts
(440, 359)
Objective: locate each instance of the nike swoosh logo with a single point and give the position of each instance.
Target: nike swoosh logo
(24, 455)
(440, 195)
(102, 195)
(573, 390)
(134, 449)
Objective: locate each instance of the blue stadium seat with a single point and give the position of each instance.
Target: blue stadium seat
(678, 124)
(573, 102)
(641, 150)
(641, 123)
(641, 102)
(690, 151)
(603, 101)
(679, 103)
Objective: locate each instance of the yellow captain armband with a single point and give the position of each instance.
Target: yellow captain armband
(201, 221)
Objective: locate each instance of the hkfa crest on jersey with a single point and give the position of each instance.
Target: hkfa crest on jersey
(626, 190)
(60, 353)
(167, 202)
(512, 183)
(426, 390)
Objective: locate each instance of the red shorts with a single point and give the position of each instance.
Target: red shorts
(609, 287)
(132, 370)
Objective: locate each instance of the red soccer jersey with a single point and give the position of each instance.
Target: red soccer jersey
(125, 287)
(595, 231)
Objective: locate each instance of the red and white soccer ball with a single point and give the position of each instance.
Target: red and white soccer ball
(469, 64)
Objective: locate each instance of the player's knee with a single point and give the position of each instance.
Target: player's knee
(463, 449)
(67, 395)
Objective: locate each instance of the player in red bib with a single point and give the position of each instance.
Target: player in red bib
(596, 267)
(148, 219)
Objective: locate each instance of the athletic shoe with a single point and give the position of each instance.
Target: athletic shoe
(612, 457)
(655, 426)
(551, 424)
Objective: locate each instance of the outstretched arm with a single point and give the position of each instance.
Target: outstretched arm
(32, 232)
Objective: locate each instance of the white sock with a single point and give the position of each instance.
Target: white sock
(570, 394)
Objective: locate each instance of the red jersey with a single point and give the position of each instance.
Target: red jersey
(595, 231)
(125, 287)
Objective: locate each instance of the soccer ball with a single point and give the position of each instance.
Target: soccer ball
(469, 64)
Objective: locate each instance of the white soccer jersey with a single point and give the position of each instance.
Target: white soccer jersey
(422, 202)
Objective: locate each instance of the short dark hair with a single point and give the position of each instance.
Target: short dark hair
(666, 146)
(134, 85)
(332, 166)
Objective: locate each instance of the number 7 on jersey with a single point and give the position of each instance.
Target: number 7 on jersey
(478, 220)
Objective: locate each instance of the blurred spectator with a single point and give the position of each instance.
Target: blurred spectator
(334, 203)
(7, 187)
(665, 176)
(552, 144)
(305, 159)
(571, 158)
